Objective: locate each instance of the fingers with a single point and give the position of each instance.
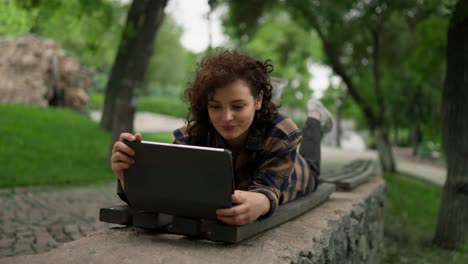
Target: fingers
(237, 220)
(241, 208)
(138, 136)
(119, 146)
(122, 147)
(238, 197)
(233, 211)
(237, 215)
(127, 136)
(121, 157)
(119, 168)
(122, 154)
(250, 206)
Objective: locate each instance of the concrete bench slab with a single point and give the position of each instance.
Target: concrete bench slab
(347, 228)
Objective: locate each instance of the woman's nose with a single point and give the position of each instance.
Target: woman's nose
(227, 115)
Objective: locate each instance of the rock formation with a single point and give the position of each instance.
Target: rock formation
(37, 71)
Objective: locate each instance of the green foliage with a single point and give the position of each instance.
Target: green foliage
(96, 101)
(87, 29)
(277, 34)
(14, 20)
(91, 30)
(242, 20)
(390, 53)
(51, 146)
(98, 82)
(350, 110)
(419, 71)
(274, 35)
(172, 65)
(370, 41)
(411, 210)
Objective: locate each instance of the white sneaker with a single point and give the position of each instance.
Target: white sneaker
(314, 106)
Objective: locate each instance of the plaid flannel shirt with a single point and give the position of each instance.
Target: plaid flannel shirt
(269, 162)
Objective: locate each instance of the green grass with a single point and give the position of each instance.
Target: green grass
(163, 105)
(410, 220)
(50, 146)
(96, 101)
(165, 137)
(172, 106)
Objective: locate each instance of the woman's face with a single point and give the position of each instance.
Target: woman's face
(231, 110)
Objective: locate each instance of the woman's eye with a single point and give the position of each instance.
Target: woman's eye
(238, 107)
(214, 106)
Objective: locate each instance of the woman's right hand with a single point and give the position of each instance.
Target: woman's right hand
(122, 154)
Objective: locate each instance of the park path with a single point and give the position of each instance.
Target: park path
(149, 122)
(433, 174)
(37, 219)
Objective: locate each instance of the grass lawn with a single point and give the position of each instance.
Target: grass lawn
(50, 146)
(160, 137)
(410, 220)
(54, 146)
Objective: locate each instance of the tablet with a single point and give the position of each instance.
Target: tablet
(179, 180)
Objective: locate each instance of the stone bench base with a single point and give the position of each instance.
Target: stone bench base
(347, 228)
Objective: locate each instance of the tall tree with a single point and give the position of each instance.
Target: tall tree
(128, 73)
(359, 42)
(452, 226)
(356, 43)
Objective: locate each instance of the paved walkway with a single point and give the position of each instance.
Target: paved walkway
(37, 219)
(149, 122)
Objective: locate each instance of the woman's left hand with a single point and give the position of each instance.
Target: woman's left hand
(249, 206)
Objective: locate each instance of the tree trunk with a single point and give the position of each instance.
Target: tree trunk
(396, 136)
(416, 137)
(338, 128)
(339, 114)
(452, 225)
(128, 73)
(384, 148)
(373, 119)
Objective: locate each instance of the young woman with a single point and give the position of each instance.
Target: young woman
(230, 107)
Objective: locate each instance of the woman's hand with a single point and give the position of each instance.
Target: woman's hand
(122, 154)
(249, 206)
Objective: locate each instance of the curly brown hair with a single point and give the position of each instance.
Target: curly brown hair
(217, 71)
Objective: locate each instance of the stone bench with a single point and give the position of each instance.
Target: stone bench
(214, 230)
(347, 228)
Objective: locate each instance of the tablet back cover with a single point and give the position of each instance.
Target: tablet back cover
(179, 180)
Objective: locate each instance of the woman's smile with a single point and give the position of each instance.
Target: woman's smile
(228, 128)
